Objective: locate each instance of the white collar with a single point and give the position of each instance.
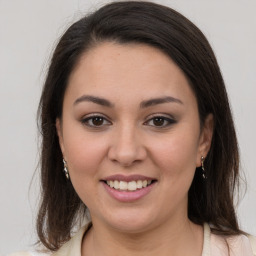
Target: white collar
(213, 245)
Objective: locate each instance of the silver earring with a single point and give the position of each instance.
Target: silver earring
(65, 169)
(203, 169)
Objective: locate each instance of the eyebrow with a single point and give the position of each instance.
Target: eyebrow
(94, 99)
(143, 104)
(161, 100)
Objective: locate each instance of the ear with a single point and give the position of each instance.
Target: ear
(60, 135)
(205, 139)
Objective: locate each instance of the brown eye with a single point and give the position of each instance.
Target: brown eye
(158, 121)
(95, 121)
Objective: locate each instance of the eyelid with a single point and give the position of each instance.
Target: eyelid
(95, 114)
(85, 118)
(166, 117)
(161, 114)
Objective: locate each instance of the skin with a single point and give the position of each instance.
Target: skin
(130, 141)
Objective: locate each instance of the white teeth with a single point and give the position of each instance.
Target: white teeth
(123, 185)
(116, 184)
(139, 184)
(130, 186)
(144, 183)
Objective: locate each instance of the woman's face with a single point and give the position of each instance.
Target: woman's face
(130, 120)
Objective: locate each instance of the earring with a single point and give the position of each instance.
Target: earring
(203, 169)
(65, 169)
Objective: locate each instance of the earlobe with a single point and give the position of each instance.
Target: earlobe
(205, 138)
(60, 135)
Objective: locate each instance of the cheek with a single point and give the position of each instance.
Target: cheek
(177, 154)
(85, 156)
(84, 153)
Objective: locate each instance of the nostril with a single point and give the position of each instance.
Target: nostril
(126, 159)
(126, 150)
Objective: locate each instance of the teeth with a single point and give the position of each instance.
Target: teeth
(130, 186)
(139, 184)
(116, 184)
(123, 185)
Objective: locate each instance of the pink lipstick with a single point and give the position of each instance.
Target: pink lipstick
(128, 188)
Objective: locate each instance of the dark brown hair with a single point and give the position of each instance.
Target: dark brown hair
(164, 28)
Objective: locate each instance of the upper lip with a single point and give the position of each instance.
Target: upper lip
(127, 178)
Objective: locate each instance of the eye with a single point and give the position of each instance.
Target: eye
(160, 121)
(96, 121)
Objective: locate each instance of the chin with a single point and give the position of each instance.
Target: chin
(130, 222)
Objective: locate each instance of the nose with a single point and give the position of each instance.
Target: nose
(127, 147)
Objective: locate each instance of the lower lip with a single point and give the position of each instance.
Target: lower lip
(128, 196)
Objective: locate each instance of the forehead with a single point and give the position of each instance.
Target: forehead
(115, 70)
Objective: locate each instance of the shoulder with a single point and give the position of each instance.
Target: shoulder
(236, 245)
(29, 253)
(243, 243)
(72, 247)
(252, 240)
(20, 254)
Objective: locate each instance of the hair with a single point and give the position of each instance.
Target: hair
(165, 29)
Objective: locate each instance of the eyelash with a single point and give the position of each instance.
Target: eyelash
(86, 120)
(167, 121)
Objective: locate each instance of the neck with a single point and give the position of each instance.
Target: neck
(176, 239)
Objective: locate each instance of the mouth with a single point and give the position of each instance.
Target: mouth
(128, 188)
(132, 185)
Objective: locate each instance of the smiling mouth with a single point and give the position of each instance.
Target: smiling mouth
(129, 186)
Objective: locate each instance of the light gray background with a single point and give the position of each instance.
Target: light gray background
(28, 32)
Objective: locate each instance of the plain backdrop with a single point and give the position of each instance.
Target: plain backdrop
(29, 30)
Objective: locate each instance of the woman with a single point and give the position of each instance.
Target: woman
(135, 112)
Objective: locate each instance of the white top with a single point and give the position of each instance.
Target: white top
(214, 245)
